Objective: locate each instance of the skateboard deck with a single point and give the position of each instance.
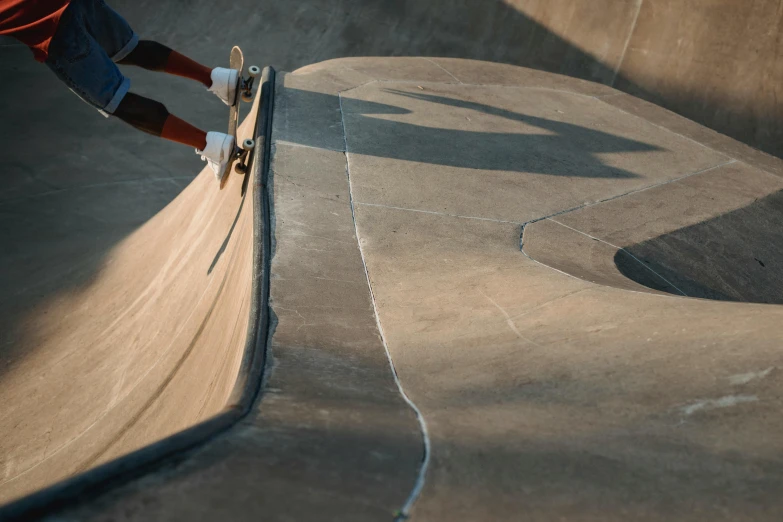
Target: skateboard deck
(236, 61)
(244, 92)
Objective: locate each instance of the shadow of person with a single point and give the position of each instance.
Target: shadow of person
(540, 146)
(561, 149)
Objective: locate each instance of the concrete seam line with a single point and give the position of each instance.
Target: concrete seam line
(494, 85)
(445, 214)
(498, 85)
(436, 64)
(629, 193)
(522, 249)
(654, 272)
(404, 511)
(117, 472)
(348, 89)
(597, 285)
(302, 146)
(683, 136)
(627, 43)
(620, 248)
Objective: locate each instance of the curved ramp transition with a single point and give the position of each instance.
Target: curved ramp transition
(436, 211)
(148, 344)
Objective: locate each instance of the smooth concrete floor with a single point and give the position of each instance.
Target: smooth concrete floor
(520, 233)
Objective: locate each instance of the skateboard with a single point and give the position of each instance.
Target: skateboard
(244, 92)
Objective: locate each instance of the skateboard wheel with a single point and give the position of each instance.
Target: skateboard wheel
(240, 168)
(247, 97)
(248, 144)
(253, 70)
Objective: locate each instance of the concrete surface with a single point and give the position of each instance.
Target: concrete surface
(613, 403)
(714, 61)
(570, 400)
(82, 273)
(552, 386)
(144, 344)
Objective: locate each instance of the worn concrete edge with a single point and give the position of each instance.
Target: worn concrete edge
(87, 485)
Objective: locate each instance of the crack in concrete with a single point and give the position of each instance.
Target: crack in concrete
(744, 378)
(548, 302)
(630, 192)
(404, 512)
(420, 83)
(510, 321)
(712, 404)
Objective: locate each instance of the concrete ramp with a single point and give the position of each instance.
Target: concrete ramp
(494, 294)
(150, 345)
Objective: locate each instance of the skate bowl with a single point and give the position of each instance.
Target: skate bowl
(492, 292)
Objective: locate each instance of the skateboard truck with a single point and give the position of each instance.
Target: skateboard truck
(246, 89)
(240, 155)
(246, 85)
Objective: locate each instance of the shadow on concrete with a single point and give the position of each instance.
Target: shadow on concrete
(573, 145)
(53, 143)
(75, 184)
(560, 149)
(611, 472)
(225, 242)
(290, 35)
(737, 256)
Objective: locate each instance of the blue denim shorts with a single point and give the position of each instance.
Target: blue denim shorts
(90, 38)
